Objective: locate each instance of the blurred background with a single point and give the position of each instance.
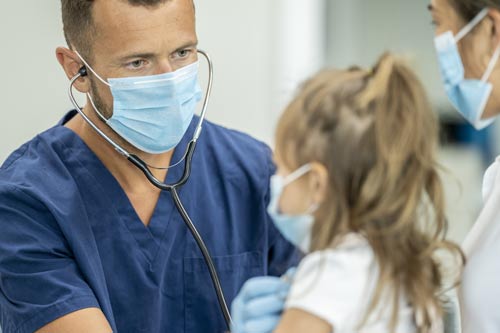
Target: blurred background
(262, 50)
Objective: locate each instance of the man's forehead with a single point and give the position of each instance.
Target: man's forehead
(121, 13)
(169, 22)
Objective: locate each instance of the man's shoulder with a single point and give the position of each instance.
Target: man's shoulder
(34, 161)
(234, 141)
(236, 153)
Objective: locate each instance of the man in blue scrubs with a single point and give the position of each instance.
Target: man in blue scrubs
(87, 244)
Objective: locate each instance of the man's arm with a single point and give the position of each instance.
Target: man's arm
(40, 280)
(81, 321)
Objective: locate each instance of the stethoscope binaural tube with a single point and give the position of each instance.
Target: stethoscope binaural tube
(172, 188)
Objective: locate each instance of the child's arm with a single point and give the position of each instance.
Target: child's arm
(299, 321)
(329, 290)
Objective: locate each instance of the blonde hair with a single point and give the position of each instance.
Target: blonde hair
(376, 134)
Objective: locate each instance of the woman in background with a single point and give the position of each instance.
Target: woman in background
(468, 48)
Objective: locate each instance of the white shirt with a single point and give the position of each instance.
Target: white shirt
(337, 286)
(480, 290)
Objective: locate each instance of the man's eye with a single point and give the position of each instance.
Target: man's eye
(183, 53)
(136, 64)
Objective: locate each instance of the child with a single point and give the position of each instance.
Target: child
(357, 187)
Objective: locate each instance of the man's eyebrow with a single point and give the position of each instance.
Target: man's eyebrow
(151, 55)
(147, 55)
(431, 8)
(193, 44)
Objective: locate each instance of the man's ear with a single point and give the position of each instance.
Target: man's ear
(71, 65)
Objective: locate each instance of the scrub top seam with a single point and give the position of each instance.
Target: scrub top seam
(8, 163)
(266, 189)
(33, 198)
(269, 163)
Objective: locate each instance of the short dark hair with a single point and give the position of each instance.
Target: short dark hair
(78, 24)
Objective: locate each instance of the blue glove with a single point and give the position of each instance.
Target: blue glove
(258, 306)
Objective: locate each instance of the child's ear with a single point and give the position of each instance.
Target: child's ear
(490, 36)
(319, 182)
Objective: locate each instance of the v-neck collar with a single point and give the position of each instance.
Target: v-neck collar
(149, 238)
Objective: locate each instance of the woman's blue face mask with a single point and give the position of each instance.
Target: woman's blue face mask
(153, 113)
(468, 96)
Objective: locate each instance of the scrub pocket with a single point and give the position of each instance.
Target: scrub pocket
(202, 310)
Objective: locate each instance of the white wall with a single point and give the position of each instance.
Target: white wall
(360, 31)
(261, 50)
(247, 40)
(299, 46)
(32, 86)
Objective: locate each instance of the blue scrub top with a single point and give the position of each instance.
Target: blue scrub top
(70, 238)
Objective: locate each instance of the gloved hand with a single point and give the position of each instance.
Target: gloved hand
(258, 306)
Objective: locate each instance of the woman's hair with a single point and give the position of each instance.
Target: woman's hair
(468, 9)
(375, 132)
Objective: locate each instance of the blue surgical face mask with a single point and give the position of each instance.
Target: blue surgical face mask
(153, 113)
(468, 96)
(295, 228)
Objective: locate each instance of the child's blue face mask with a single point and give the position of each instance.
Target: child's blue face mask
(295, 228)
(468, 96)
(153, 113)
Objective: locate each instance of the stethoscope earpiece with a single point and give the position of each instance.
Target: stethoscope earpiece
(83, 71)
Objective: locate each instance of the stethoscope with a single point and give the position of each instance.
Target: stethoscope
(172, 188)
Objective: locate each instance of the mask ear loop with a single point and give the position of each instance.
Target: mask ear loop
(471, 25)
(491, 65)
(88, 95)
(297, 174)
(314, 207)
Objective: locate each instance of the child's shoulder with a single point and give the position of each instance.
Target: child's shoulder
(337, 284)
(353, 256)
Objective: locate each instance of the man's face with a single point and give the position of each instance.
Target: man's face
(139, 41)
